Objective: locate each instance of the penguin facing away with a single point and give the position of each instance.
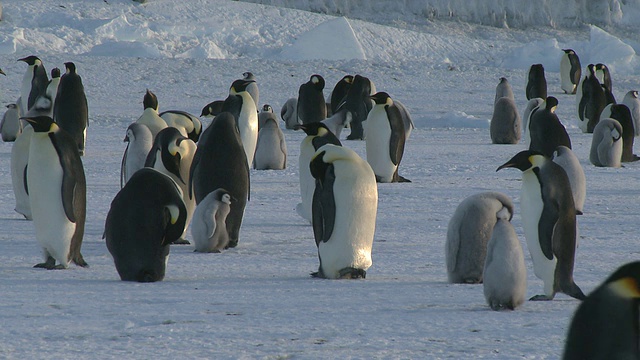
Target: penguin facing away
(34, 82)
(506, 124)
(591, 102)
(566, 158)
(70, 110)
(345, 203)
(311, 106)
(19, 162)
(11, 126)
(139, 142)
(468, 233)
(549, 222)
(208, 228)
(358, 104)
(504, 275)
(606, 144)
(546, 130)
(145, 216)
(339, 92)
(570, 71)
(150, 117)
(289, 113)
(503, 89)
(532, 105)
(605, 324)
(271, 149)
(57, 193)
(536, 83)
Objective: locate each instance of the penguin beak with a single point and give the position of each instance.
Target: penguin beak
(2, 72)
(508, 164)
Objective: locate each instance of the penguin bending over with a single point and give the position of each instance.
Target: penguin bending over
(606, 144)
(622, 114)
(57, 193)
(358, 103)
(339, 93)
(188, 124)
(345, 203)
(549, 222)
(311, 106)
(570, 71)
(139, 142)
(71, 111)
(208, 228)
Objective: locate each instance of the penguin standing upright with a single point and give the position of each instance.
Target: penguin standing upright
(150, 117)
(549, 222)
(265, 113)
(345, 204)
(339, 92)
(45, 103)
(71, 111)
(566, 158)
(271, 150)
(311, 106)
(606, 144)
(139, 142)
(11, 126)
(385, 139)
(506, 124)
(172, 154)
(252, 87)
(144, 218)
(570, 71)
(34, 82)
(247, 118)
(536, 83)
(633, 103)
(605, 324)
(318, 134)
(546, 130)
(406, 118)
(208, 229)
(503, 89)
(19, 161)
(603, 75)
(591, 102)
(57, 193)
(532, 106)
(188, 124)
(358, 104)
(220, 162)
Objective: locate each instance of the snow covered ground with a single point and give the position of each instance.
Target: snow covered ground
(258, 300)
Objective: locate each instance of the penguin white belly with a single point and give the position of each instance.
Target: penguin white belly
(307, 182)
(377, 144)
(44, 176)
(356, 202)
(152, 120)
(248, 127)
(19, 159)
(531, 208)
(565, 75)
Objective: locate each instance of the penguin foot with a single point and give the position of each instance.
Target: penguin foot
(80, 262)
(575, 292)
(501, 307)
(49, 264)
(352, 273)
(541, 298)
(355, 137)
(181, 241)
(403, 179)
(232, 243)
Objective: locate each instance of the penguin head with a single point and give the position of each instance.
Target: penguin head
(591, 69)
(503, 79)
(620, 112)
(568, 51)
(524, 160)
(625, 281)
(223, 196)
(382, 98)
(313, 129)
(31, 60)
(248, 76)
(551, 104)
(634, 93)
(71, 67)
(317, 81)
(267, 108)
(40, 123)
(212, 109)
(169, 142)
(150, 100)
(239, 86)
(55, 73)
(348, 79)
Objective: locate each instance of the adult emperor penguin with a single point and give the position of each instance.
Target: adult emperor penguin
(591, 102)
(503, 89)
(145, 217)
(546, 130)
(633, 103)
(318, 134)
(220, 162)
(385, 139)
(188, 124)
(252, 87)
(172, 154)
(570, 71)
(212, 109)
(139, 142)
(532, 106)
(71, 111)
(468, 233)
(247, 120)
(622, 114)
(345, 204)
(506, 124)
(150, 116)
(605, 325)
(549, 222)
(604, 76)
(536, 83)
(19, 161)
(265, 113)
(57, 193)
(271, 150)
(406, 118)
(45, 103)
(311, 106)
(289, 113)
(606, 144)
(339, 92)
(34, 82)
(504, 275)
(358, 104)
(208, 228)
(566, 158)
(11, 127)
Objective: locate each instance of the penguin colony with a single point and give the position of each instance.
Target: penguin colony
(166, 152)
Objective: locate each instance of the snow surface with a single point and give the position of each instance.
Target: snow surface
(258, 300)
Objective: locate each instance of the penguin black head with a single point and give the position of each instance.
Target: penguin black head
(592, 70)
(568, 51)
(317, 81)
(223, 195)
(523, 161)
(71, 67)
(150, 100)
(30, 60)
(212, 109)
(381, 98)
(551, 103)
(168, 142)
(40, 123)
(267, 108)
(55, 73)
(625, 281)
(503, 79)
(348, 79)
(634, 93)
(248, 76)
(239, 85)
(620, 112)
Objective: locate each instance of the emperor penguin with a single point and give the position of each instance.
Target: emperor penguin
(34, 82)
(311, 106)
(212, 109)
(337, 121)
(503, 89)
(71, 111)
(605, 324)
(57, 193)
(252, 87)
(546, 130)
(150, 116)
(633, 103)
(271, 150)
(536, 83)
(606, 144)
(289, 113)
(19, 162)
(549, 222)
(220, 162)
(358, 104)
(145, 217)
(247, 119)
(604, 76)
(172, 154)
(532, 106)
(11, 126)
(622, 114)
(139, 142)
(506, 124)
(406, 118)
(188, 124)
(385, 139)
(570, 71)
(468, 233)
(339, 92)
(318, 134)
(345, 204)
(591, 102)
(45, 102)
(566, 158)
(265, 113)
(504, 274)
(208, 228)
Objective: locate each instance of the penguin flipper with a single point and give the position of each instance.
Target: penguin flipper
(396, 142)
(323, 208)
(546, 227)
(123, 166)
(68, 154)
(24, 179)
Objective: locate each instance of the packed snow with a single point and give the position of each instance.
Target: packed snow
(258, 300)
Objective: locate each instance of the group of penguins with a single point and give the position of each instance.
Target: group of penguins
(482, 245)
